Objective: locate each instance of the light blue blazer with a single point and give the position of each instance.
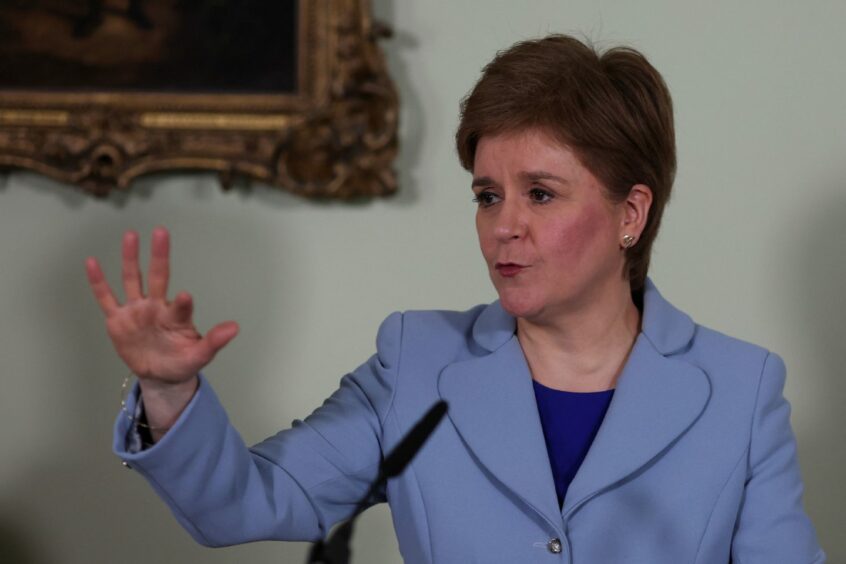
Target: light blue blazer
(695, 461)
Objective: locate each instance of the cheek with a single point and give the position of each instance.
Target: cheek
(581, 237)
(487, 242)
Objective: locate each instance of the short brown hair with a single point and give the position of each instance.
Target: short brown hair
(612, 109)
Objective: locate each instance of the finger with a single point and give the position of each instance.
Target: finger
(182, 308)
(159, 272)
(102, 291)
(217, 338)
(220, 335)
(131, 274)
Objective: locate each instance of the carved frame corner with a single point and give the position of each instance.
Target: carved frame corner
(336, 137)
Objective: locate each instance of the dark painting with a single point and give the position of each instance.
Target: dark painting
(176, 46)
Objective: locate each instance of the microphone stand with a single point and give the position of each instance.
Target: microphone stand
(336, 549)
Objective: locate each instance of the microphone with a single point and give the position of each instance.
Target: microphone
(336, 550)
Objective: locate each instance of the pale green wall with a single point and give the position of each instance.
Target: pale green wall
(752, 244)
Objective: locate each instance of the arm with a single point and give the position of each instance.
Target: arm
(292, 486)
(772, 526)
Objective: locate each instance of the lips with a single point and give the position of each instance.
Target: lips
(509, 269)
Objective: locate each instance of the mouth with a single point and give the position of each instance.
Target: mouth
(509, 269)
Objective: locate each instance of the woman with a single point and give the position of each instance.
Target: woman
(590, 420)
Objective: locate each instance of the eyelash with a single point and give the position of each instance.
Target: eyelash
(480, 197)
(546, 193)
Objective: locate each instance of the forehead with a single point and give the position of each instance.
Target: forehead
(526, 152)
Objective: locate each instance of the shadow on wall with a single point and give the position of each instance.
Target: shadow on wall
(814, 271)
(74, 197)
(15, 546)
(412, 122)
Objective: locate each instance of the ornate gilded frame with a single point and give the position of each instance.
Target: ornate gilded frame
(335, 137)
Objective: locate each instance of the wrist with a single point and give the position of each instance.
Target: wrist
(154, 387)
(165, 402)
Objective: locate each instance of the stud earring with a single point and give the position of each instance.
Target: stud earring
(628, 241)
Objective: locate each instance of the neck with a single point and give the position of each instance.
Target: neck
(585, 348)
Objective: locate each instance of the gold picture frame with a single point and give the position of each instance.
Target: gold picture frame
(333, 136)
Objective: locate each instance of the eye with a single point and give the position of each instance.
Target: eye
(486, 198)
(540, 195)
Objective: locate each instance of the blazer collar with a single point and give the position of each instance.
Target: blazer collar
(494, 327)
(667, 328)
(493, 408)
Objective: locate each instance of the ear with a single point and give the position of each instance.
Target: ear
(635, 211)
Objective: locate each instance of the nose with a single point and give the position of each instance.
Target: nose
(511, 223)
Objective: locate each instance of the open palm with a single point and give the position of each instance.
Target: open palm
(156, 338)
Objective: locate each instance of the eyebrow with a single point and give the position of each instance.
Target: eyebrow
(542, 175)
(531, 176)
(483, 181)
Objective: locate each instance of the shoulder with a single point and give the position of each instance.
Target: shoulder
(736, 369)
(441, 324)
(430, 326)
(430, 335)
(725, 348)
(739, 371)
(675, 334)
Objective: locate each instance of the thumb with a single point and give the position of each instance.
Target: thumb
(216, 338)
(219, 335)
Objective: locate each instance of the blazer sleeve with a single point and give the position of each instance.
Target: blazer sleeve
(294, 485)
(772, 526)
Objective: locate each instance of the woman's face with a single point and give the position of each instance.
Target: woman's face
(549, 235)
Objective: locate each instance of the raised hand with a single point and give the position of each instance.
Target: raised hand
(156, 339)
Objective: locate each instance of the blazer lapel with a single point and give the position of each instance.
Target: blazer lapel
(492, 405)
(656, 400)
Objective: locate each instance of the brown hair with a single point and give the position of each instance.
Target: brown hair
(612, 109)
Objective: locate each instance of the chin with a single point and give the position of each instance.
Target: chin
(520, 306)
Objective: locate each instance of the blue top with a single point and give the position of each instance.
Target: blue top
(570, 421)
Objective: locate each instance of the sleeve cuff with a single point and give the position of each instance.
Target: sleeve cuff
(137, 437)
(130, 438)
